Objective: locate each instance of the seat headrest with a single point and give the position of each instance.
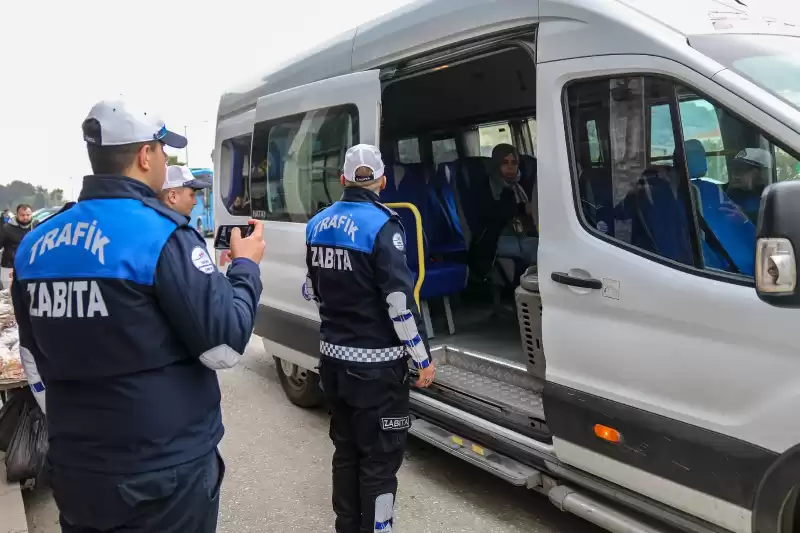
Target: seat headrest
(695, 158)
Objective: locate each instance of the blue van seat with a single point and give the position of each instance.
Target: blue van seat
(660, 222)
(406, 183)
(472, 173)
(735, 232)
(527, 167)
(597, 199)
(446, 234)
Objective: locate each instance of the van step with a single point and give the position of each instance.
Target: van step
(491, 390)
(503, 467)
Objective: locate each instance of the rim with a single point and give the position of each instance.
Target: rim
(295, 376)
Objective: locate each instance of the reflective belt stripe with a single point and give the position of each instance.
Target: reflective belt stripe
(362, 355)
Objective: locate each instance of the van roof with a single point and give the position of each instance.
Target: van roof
(427, 25)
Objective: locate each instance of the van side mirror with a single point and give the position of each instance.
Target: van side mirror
(777, 240)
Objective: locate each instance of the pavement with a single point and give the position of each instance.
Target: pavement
(278, 474)
(12, 512)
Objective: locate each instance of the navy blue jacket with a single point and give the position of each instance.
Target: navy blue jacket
(116, 300)
(355, 254)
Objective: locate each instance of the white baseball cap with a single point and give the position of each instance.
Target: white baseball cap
(181, 176)
(363, 155)
(116, 123)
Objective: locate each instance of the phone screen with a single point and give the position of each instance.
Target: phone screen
(222, 241)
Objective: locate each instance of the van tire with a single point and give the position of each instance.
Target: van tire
(301, 386)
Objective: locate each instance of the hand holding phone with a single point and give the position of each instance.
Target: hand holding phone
(251, 246)
(222, 240)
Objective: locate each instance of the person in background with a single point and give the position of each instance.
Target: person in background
(507, 229)
(359, 278)
(11, 235)
(4, 218)
(180, 188)
(751, 172)
(119, 309)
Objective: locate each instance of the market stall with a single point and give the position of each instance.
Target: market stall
(12, 375)
(23, 427)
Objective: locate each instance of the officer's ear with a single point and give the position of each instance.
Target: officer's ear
(341, 178)
(383, 182)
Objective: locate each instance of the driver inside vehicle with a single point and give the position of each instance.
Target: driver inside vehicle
(751, 169)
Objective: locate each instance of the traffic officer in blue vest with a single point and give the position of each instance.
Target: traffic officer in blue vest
(357, 274)
(121, 312)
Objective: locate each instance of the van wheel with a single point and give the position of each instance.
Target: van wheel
(790, 516)
(300, 385)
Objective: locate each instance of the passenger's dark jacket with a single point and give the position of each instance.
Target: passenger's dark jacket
(11, 235)
(117, 298)
(496, 215)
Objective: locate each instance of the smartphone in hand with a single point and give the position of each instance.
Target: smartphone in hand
(222, 241)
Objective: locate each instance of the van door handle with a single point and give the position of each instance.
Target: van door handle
(572, 281)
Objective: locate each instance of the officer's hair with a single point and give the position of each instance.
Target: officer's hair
(20, 207)
(114, 159)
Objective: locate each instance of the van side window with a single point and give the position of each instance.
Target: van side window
(408, 151)
(626, 197)
(699, 121)
(698, 209)
(529, 131)
(788, 167)
(234, 180)
(491, 135)
(444, 151)
(297, 162)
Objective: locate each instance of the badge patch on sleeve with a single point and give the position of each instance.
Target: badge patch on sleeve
(397, 240)
(202, 261)
(398, 423)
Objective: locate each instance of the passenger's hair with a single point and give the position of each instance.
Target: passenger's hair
(114, 159)
(24, 206)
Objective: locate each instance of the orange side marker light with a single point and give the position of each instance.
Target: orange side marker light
(607, 433)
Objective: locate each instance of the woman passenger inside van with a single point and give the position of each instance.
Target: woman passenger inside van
(507, 229)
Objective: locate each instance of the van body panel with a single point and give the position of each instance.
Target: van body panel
(704, 375)
(425, 26)
(657, 346)
(284, 268)
(329, 59)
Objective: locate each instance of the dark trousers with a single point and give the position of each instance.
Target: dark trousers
(181, 499)
(369, 430)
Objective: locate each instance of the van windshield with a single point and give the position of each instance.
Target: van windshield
(770, 61)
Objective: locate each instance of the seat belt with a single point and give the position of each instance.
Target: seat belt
(711, 237)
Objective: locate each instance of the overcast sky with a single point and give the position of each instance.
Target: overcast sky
(58, 58)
